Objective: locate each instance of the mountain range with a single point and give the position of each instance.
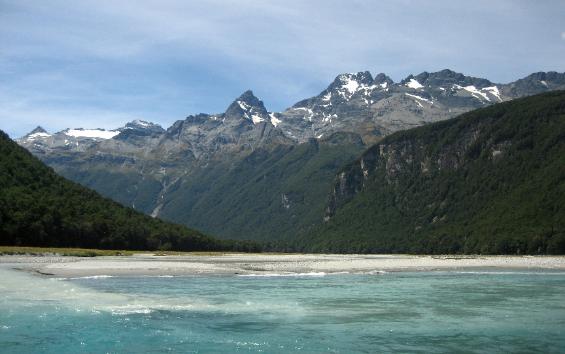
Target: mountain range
(249, 173)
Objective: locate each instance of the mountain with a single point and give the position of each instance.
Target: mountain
(245, 126)
(40, 142)
(374, 107)
(191, 173)
(40, 208)
(269, 194)
(490, 181)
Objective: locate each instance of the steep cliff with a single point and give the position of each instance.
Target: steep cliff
(489, 181)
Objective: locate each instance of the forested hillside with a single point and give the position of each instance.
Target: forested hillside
(489, 181)
(40, 208)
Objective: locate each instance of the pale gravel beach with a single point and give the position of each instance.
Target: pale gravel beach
(268, 264)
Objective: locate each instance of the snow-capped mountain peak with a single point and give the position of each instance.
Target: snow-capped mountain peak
(36, 133)
(141, 123)
(142, 126)
(347, 85)
(249, 107)
(353, 103)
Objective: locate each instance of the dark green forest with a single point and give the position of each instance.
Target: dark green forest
(491, 181)
(40, 208)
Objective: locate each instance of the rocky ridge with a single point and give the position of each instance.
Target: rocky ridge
(355, 102)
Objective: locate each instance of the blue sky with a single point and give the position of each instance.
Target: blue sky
(97, 63)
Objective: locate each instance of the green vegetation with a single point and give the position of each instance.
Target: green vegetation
(491, 181)
(269, 195)
(75, 252)
(86, 252)
(40, 208)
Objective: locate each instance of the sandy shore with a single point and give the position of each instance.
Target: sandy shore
(268, 264)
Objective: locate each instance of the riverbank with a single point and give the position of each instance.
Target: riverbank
(265, 264)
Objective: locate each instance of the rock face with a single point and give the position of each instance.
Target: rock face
(147, 167)
(245, 125)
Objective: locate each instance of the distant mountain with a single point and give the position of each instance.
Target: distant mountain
(375, 107)
(357, 103)
(177, 173)
(40, 208)
(40, 142)
(490, 181)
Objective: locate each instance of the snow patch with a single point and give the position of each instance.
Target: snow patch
(350, 85)
(328, 118)
(414, 84)
(473, 91)
(493, 90)
(92, 133)
(141, 123)
(419, 98)
(543, 83)
(309, 113)
(274, 120)
(244, 106)
(38, 135)
(256, 119)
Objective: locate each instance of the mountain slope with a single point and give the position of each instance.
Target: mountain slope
(269, 195)
(190, 172)
(490, 181)
(40, 208)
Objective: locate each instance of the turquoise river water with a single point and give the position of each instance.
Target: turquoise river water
(421, 312)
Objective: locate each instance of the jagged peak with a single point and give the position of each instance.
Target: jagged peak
(351, 80)
(38, 129)
(548, 76)
(381, 79)
(411, 82)
(445, 78)
(37, 132)
(247, 100)
(249, 107)
(346, 85)
(142, 124)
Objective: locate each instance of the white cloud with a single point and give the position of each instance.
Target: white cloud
(103, 56)
(328, 37)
